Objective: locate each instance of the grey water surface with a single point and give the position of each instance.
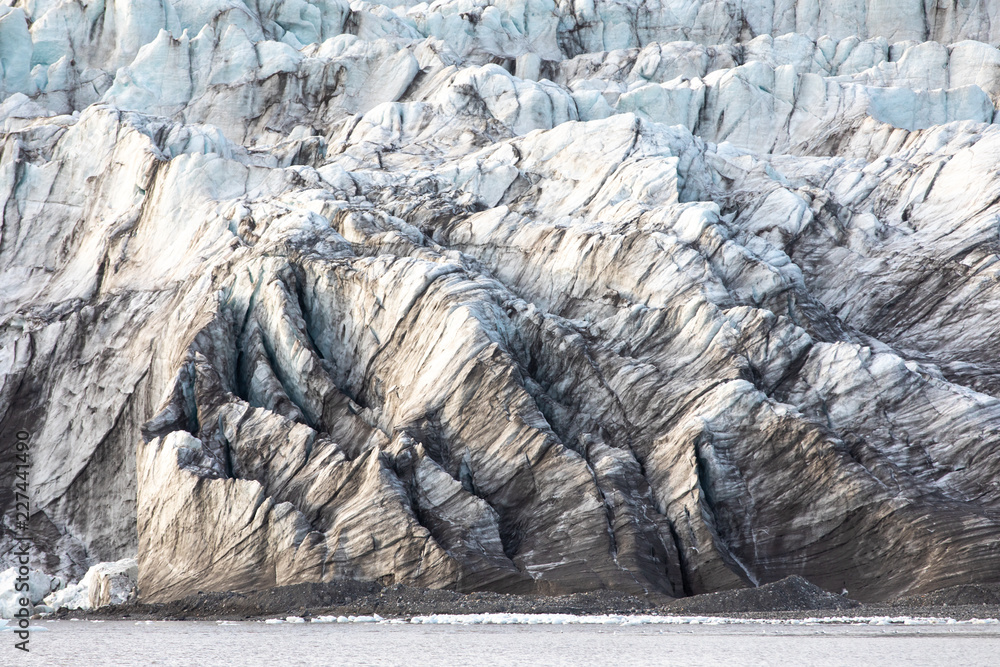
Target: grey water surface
(106, 644)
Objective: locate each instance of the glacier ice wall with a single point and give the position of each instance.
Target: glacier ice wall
(525, 295)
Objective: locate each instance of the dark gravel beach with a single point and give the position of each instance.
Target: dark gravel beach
(790, 598)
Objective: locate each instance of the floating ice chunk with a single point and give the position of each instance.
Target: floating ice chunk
(104, 584)
(75, 596)
(39, 585)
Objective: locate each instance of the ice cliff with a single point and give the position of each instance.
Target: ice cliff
(525, 295)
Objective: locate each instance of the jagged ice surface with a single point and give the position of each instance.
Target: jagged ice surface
(530, 296)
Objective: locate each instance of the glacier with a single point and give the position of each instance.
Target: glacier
(530, 296)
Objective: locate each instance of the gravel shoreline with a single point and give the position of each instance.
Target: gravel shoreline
(788, 599)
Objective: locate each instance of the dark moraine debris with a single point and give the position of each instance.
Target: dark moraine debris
(790, 594)
(953, 596)
(347, 597)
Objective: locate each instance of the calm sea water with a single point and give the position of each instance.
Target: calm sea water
(87, 643)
